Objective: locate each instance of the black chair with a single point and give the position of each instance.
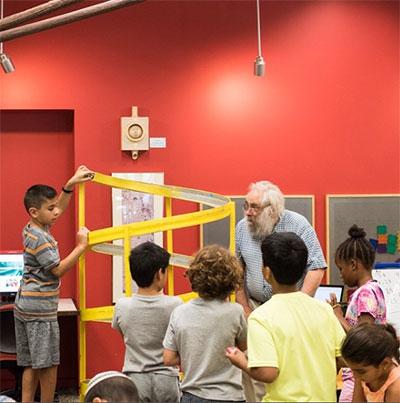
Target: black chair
(8, 352)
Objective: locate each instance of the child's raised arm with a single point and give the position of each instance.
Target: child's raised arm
(337, 309)
(82, 174)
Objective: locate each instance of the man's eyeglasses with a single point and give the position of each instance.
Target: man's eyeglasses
(255, 207)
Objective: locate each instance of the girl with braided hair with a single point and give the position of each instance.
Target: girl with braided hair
(355, 258)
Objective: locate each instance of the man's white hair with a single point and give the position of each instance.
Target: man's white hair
(270, 194)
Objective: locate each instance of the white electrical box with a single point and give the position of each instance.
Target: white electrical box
(134, 133)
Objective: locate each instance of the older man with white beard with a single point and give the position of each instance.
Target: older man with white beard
(265, 213)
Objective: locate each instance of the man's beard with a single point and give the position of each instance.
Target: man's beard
(261, 225)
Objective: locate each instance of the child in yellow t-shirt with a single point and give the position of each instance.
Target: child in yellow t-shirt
(293, 339)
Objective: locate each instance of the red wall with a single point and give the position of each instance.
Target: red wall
(36, 147)
(324, 119)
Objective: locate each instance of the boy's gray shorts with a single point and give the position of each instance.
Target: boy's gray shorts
(156, 387)
(38, 344)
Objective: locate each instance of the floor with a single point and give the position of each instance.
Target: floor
(68, 398)
(64, 396)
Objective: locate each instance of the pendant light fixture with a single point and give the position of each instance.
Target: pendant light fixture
(5, 61)
(259, 63)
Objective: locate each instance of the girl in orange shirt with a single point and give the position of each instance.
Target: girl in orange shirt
(372, 353)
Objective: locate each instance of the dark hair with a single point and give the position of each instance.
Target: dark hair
(114, 389)
(370, 344)
(356, 247)
(144, 262)
(286, 254)
(215, 272)
(36, 195)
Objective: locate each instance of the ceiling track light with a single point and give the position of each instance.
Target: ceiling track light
(5, 61)
(259, 63)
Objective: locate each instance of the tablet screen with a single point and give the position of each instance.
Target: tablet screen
(324, 291)
(11, 268)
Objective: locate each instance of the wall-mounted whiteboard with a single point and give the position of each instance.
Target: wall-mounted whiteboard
(389, 280)
(367, 211)
(218, 231)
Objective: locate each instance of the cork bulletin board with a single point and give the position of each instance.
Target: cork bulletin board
(378, 214)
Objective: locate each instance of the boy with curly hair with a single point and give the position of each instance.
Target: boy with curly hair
(199, 331)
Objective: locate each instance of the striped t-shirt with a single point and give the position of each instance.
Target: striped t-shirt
(37, 298)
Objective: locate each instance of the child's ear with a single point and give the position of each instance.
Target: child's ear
(266, 272)
(386, 363)
(33, 212)
(160, 273)
(354, 264)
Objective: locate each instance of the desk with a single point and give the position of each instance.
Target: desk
(67, 313)
(66, 307)
(68, 370)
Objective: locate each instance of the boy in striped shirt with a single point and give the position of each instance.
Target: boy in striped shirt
(35, 312)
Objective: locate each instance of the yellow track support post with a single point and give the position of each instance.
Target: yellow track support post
(232, 239)
(170, 247)
(82, 294)
(232, 229)
(127, 274)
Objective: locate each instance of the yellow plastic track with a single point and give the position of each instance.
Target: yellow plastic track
(100, 241)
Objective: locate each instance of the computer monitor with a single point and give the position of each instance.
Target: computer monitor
(11, 269)
(324, 291)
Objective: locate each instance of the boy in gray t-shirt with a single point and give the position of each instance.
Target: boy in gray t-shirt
(200, 331)
(142, 320)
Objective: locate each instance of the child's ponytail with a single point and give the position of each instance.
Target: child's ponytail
(390, 329)
(356, 247)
